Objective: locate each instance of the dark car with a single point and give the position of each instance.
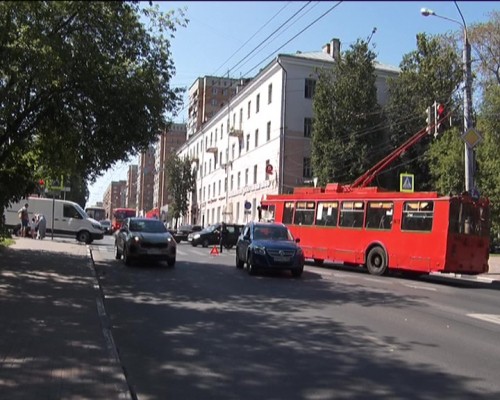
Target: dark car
(145, 239)
(269, 246)
(211, 235)
(106, 226)
(184, 230)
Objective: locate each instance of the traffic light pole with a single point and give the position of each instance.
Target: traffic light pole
(468, 123)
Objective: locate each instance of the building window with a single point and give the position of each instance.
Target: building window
(268, 132)
(232, 181)
(232, 151)
(208, 192)
(257, 104)
(214, 90)
(241, 117)
(219, 186)
(248, 142)
(209, 166)
(255, 173)
(213, 191)
(270, 93)
(256, 138)
(234, 120)
(249, 107)
(308, 127)
(265, 170)
(213, 102)
(246, 177)
(239, 180)
(221, 130)
(307, 170)
(310, 87)
(225, 185)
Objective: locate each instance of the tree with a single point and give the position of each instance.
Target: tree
(85, 84)
(488, 174)
(347, 117)
(181, 182)
(430, 73)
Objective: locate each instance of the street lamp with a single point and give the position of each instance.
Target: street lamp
(468, 124)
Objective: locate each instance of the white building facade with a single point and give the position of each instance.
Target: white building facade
(260, 143)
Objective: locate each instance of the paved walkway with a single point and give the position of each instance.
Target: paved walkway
(55, 343)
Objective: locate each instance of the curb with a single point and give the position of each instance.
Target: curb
(126, 391)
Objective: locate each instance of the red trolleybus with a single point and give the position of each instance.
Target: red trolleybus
(119, 215)
(420, 232)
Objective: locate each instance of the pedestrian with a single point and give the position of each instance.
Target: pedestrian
(222, 236)
(32, 228)
(42, 226)
(25, 219)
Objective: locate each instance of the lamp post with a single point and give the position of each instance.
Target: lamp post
(468, 124)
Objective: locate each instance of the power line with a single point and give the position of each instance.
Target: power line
(258, 31)
(294, 37)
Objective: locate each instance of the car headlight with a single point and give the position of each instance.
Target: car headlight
(169, 239)
(137, 239)
(259, 250)
(97, 226)
(197, 236)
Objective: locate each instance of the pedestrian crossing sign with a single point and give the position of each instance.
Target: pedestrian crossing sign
(406, 183)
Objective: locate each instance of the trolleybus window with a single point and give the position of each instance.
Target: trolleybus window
(379, 215)
(304, 213)
(327, 213)
(288, 212)
(469, 219)
(418, 215)
(351, 214)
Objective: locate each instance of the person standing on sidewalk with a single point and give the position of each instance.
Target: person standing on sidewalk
(42, 226)
(25, 219)
(223, 236)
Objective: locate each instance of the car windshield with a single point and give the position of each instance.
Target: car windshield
(149, 226)
(271, 233)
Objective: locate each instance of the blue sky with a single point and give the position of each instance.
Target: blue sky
(229, 37)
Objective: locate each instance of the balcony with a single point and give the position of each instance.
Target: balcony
(238, 133)
(213, 149)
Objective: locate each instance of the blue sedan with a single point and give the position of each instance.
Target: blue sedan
(269, 246)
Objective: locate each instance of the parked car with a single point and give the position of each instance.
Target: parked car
(106, 225)
(145, 239)
(184, 231)
(269, 246)
(211, 235)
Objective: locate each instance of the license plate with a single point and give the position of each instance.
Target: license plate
(281, 259)
(154, 251)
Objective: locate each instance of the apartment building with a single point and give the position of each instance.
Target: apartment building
(260, 142)
(114, 196)
(131, 198)
(168, 143)
(207, 95)
(145, 181)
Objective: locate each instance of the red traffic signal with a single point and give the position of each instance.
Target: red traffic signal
(440, 109)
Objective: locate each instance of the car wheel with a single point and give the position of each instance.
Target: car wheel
(126, 259)
(252, 270)
(205, 243)
(118, 255)
(296, 273)
(84, 237)
(239, 263)
(376, 261)
(171, 261)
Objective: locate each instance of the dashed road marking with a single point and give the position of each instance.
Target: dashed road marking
(493, 318)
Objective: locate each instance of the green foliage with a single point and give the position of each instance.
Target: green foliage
(182, 181)
(431, 73)
(347, 117)
(487, 153)
(84, 84)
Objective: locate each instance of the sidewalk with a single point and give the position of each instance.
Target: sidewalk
(55, 343)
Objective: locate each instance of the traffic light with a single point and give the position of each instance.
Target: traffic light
(429, 120)
(439, 115)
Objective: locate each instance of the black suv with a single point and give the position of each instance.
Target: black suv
(211, 235)
(269, 246)
(184, 231)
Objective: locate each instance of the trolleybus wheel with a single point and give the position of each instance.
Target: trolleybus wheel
(376, 261)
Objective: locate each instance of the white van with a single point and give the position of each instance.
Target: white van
(63, 218)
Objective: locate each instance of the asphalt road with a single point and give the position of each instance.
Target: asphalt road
(206, 330)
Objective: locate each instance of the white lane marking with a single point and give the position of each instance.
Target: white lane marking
(420, 287)
(493, 318)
